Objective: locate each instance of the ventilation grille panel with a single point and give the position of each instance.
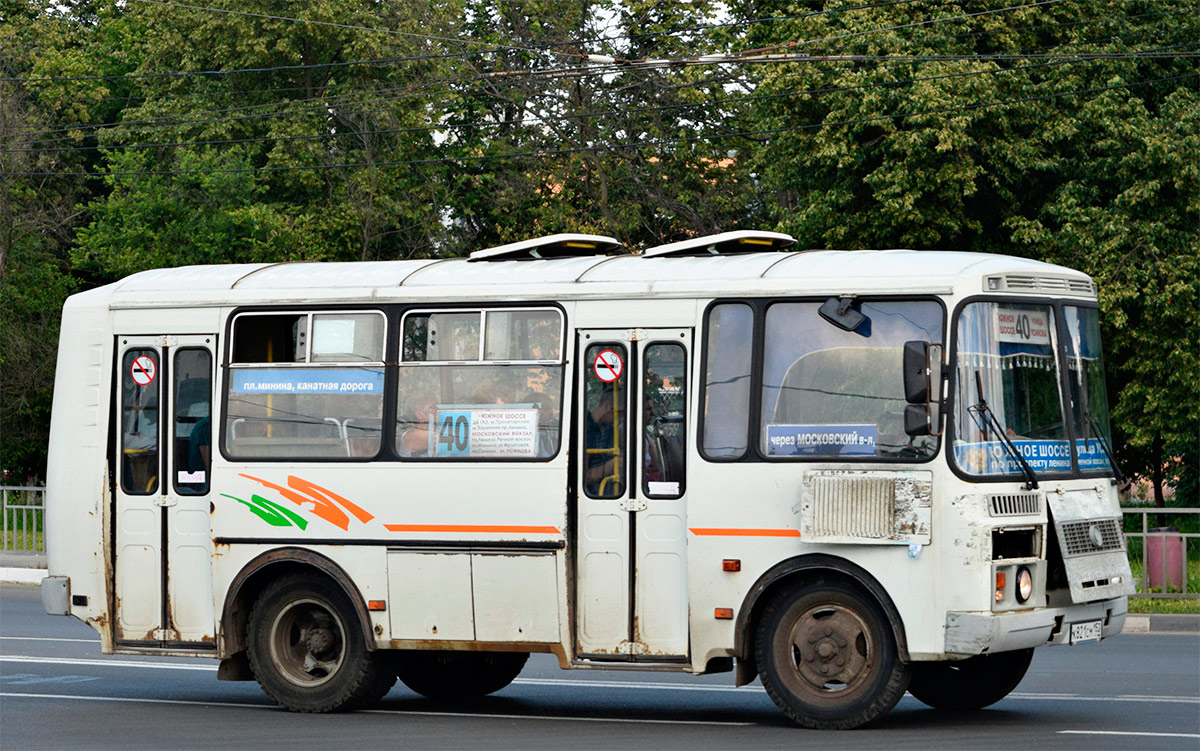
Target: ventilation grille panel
(1015, 504)
(854, 506)
(1054, 284)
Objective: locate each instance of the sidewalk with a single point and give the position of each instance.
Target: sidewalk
(22, 568)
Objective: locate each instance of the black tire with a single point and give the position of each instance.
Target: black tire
(973, 683)
(458, 675)
(307, 650)
(827, 656)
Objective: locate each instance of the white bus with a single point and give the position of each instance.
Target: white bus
(850, 473)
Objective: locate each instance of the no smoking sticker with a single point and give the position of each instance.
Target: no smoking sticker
(608, 366)
(143, 370)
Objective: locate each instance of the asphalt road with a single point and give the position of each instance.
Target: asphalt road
(58, 692)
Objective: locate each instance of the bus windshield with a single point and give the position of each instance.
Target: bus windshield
(1012, 349)
(1085, 382)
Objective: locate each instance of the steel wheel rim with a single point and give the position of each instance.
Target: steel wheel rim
(828, 654)
(308, 642)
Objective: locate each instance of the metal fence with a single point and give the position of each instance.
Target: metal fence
(1168, 556)
(21, 519)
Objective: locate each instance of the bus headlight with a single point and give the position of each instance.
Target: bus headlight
(1024, 584)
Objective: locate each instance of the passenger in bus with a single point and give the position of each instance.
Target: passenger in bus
(414, 432)
(599, 434)
(547, 423)
(199, 442)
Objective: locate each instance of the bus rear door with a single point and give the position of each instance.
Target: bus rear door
(163, 543)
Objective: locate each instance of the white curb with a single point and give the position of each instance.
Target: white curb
(1136, 624)
(22, 575)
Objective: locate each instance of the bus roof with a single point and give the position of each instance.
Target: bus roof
(766, 273)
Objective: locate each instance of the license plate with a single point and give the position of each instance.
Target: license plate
(1085, 633)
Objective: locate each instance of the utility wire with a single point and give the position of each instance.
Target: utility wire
(618, 147)
(602, 59)
(331, 105)
(534, 121)
(352, 27)
(344, 89)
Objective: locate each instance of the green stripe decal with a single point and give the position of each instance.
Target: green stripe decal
(270, 512)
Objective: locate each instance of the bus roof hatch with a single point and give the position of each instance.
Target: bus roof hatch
(551, 246)
(725, 243)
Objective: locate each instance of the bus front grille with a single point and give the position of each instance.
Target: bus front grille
(1082, 538)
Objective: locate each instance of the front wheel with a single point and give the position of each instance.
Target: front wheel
(828, 658)
(307, 651)
(458, 675)
(973, 683)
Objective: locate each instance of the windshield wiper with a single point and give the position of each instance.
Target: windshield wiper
(1091, 422)
(987, 420)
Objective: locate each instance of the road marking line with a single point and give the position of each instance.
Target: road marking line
(597, 683)
(50, 638)
(1128, 732)
(393, 712)
(1123, 698)
(106, 663)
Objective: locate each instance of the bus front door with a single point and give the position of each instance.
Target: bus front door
(163, 544)
(630, 524)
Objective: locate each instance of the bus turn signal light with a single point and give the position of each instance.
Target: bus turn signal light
(723, 614)
(1001, 584)
(376, 605)
(731, 564)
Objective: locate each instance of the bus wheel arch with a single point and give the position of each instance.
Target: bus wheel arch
(271, 566)
(795, 573)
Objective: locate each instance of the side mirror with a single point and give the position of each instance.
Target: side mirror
(916, 372)
(916, 420)
(922, 366)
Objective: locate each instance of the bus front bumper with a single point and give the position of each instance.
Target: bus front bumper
(977, 633)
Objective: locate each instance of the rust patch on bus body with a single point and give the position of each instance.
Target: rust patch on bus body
(479, 646)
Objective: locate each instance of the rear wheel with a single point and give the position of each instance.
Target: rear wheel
(458, 675)
(307, 651)
(973, 683)
(828, 658)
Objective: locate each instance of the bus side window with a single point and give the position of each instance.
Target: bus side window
(192, 374)
(829, 392)
(664, 409)
(728, 350)
(306, 386)
(480, 384)
(139, 422)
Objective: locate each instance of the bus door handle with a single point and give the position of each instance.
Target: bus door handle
(633, 504)
(165, 500)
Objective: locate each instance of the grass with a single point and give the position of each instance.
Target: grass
(1165, 604)
(21, 541)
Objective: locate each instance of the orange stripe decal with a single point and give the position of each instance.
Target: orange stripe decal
(500, 528)
(720, 532)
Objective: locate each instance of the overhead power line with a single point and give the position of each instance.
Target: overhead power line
(343, 105)
(528, 121)
(618, 147)
(352, 27)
